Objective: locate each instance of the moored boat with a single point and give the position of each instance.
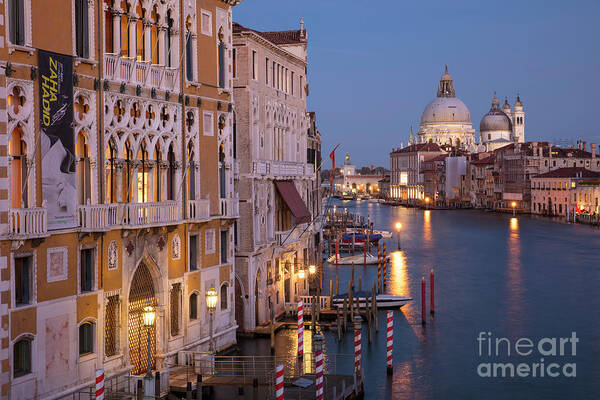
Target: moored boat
(383, 300)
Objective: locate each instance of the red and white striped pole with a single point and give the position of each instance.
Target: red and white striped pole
(279, 382)
(318, 342)
(390, 341)
(99, 384)
(357, 345)
(300, 329)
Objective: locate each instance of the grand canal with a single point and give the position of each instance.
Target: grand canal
(512, 277)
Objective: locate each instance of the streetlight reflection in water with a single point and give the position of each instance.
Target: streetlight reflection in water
(398, 284)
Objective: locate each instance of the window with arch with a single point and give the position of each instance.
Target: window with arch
(224, 294)
(109, 34)
(111, 172)
(193, 306)
(140, 37)
(82, 31)
(17, 149)
(124, 36)
(127, 172)
(168, 40)
(189, 51)
(157, 174)
(171, 174)
(86, 338)
(84, 174)
(142, 175)
(191, 184)
(22, 357)
(16, 15)
(222, 172)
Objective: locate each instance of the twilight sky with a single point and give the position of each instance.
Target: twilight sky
(374, 65)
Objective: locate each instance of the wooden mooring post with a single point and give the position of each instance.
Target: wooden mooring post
(345, 311)
(374, 308)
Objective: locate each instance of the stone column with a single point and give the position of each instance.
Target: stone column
(162, 32)
(119, 165)
(149, 166)
(148, 40)
(116, 20)
(132, 38)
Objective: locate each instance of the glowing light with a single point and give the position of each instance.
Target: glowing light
(513, 204)
(312, 269)
(426, 199)
(398, 226)
(211, 299)
(149, 315)
(514, 224)
(301, 274)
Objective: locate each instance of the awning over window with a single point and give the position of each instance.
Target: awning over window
(292, 198)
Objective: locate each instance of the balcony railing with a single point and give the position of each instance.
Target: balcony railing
(99, 217)
(283, 168)
(151, 214)
(198, 210)
(27, 222)
(129, 70)
(230, 207)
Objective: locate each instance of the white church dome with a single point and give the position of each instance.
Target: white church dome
(446, 110)
(495, 119)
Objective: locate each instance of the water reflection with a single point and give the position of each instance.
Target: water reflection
(398, 284)
(515, 280)
(427, 236)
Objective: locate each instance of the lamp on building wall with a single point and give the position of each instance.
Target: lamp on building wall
(301, 274)
(514, 207)
(149, 315)
(211, 303)
(427, 202)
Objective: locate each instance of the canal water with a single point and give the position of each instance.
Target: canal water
(497, 277)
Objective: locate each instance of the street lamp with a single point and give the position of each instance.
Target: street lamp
(398, 227)
(312, 269)
(211, 304)
(149, 315)
(514, 207)
(427, 202)
(301, 274)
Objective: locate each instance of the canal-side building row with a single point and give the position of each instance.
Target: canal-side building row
(278, 150)
(117, 165)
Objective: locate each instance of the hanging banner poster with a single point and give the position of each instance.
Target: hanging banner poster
(59, 179)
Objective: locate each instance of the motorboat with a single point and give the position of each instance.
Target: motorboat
(361, 237)
(383, 300)
(357, 259)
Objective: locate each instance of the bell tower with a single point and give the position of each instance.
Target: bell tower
(446, 88)
(518, 117)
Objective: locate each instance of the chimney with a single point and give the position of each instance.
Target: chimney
(593, 146)
(549, 149)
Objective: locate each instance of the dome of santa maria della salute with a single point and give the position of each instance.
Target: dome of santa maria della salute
(446, 119)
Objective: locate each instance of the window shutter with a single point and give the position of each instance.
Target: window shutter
(189, 65)
(192, 180)
(221, 64)
(21, 22)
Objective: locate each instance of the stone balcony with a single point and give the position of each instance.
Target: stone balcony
(99, 217)
(284, 238)
(230, 207)
(283, 169)
(130, 71)
(27, 223)
(143, 215)
(198, 210)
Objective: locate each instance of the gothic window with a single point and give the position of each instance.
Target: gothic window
(168, 44)
(124, 34)
(18, 169)
(142, 175)
(16, 11)
(155, 50)
(127, 172)
(191, 173)
(111, 172)
(86, 338)
(222, 49)
(82, 37)
(140, 38)
(109, 34)
(83, 168)
(222, 173)
(193, 306)
(224, 294)
(171, 174)
(157, 174)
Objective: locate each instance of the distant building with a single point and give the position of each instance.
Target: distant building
(500, 127)
(349, 182)
(384, 187)
(434, 178)
(407, 181)
(564, 191)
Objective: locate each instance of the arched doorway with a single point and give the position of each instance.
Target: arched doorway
(256, 302)
(239, 305)
(141, 294)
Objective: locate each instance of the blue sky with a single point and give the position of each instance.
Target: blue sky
(374, 65)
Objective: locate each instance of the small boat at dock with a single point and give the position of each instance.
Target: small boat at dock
(358, 259)
(383, 300)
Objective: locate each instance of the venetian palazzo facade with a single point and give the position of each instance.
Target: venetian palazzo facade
(277, 183)
(130, 205)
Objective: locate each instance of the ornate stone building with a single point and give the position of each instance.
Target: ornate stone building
(129, 205)
(276, 182)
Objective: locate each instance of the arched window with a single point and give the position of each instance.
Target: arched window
(221, 59)
(222, 172)
(168, 39)
(22, 357)
(124, 34)
(189, 51)
(224, 294)
(82, 32)
(171, 174)
(191, 173)
(142, 175)
(193, 306)
(86, 338)
(111, 172)
(17, 149)
(154, 35)
(83, 168)
(127, 172)
(157, 174)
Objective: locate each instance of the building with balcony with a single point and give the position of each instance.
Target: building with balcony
(116, 172)
(276, 149)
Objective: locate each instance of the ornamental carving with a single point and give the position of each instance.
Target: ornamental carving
(113, 257)
(176, 247)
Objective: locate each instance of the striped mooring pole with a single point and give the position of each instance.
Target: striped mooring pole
(390, 341)
(385, 261)
(379, 266)
(300, 329)
(357, 345)
(99, 384)
(279, 382)
(318, 342)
